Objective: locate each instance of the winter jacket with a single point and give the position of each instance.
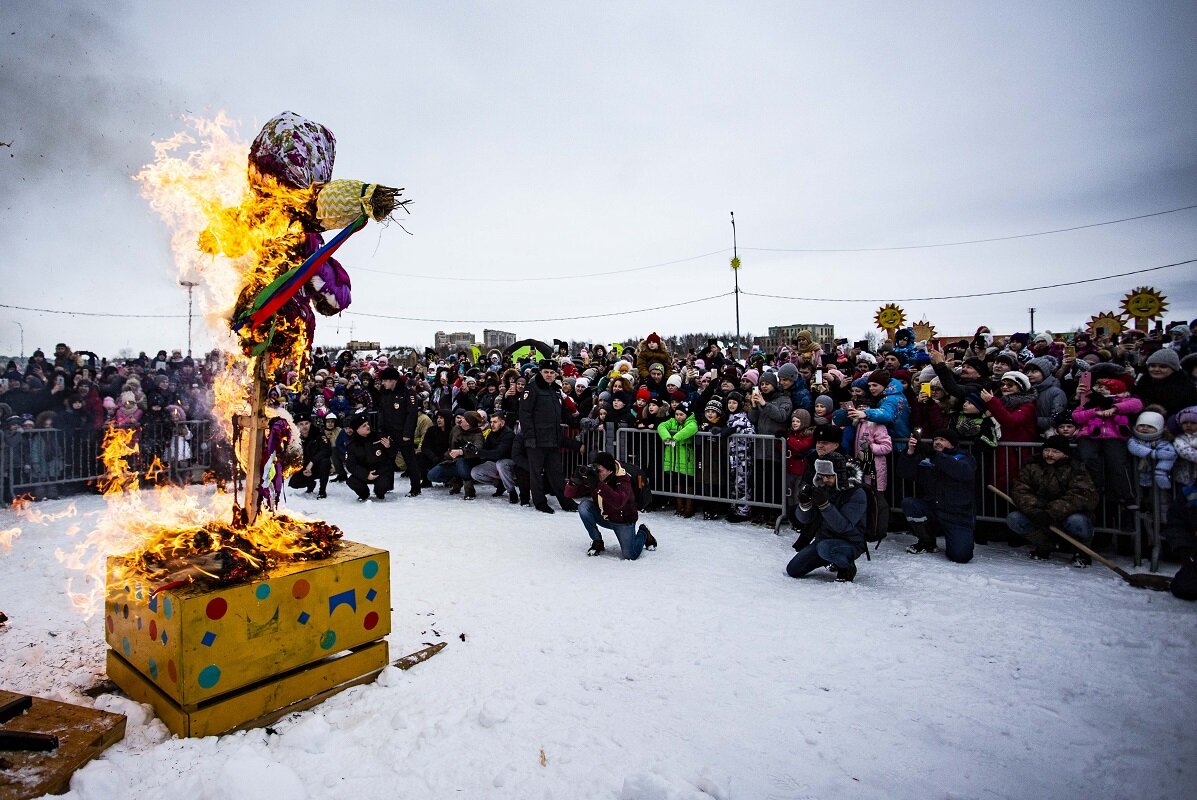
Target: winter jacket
(773, 417)
(946, 481)
(397, 412)
(739, 449)
(1017, 417)
(1184, 472)
(1050, 400)
(496, 446)
(364, 456)
(1091, 426)
(540, 414)
(1173, 393)
(870, 448)
(645, 358)
(1156, 461)
(615, 497)
(678, 447)
(316, 450)
(844, 518)
(1060, 489)
(954, 384)
(893, 411)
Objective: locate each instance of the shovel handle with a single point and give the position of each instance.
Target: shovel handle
(1078, 545)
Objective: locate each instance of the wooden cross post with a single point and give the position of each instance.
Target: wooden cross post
(254, 425)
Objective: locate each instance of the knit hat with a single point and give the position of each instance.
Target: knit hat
(1155, 420)
(803, 417)
(674, 381)
(1024, 383)
(825, 401)
(1007, 359)
(881, 377)
(861, 383)
(657, 367)
(1045, 364)
(921, 357)
(739, 398)
(1186, 415)
(474, 418)
(926, 374)
(1057, 442)
(902, 374)
(653, 337)
(643, 393)
(752, 376)
(975, 399)
(581, 384)
(769, 378)
(828, 433)
(949, 434)
(980, 366)
(788, 372)
(1021, 337)
(1167, 356)
(714, 404)
(621, 396)
(683, 406)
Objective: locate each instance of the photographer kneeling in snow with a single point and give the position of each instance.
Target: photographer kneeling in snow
(945, 481)
(606, 498)
(833, 508)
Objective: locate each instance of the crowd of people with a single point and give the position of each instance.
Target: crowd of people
(1113, 416)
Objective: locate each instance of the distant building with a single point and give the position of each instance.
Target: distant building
(784, 335)
(458, 340)
(354, 345)
(497, 339)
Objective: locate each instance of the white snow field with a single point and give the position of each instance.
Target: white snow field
(699, 671)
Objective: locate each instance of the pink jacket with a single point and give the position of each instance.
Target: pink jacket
(1114, 427)
(874, 436)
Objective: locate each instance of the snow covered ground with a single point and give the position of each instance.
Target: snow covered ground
(699, 671)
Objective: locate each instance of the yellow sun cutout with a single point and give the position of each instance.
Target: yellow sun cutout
(1106, 323)
(923, 331)
(890, 318)
(1144, 303)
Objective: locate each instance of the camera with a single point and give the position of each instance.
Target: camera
(585, 477)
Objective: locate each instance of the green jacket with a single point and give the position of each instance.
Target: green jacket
(678, 447)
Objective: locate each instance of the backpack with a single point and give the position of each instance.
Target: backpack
(640, 486)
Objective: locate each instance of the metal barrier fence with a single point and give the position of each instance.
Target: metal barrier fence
(730, 472)
(46, 463)
(1000, 466)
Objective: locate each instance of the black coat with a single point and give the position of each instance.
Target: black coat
(946, 481)
(1174, 393)
(397, 412)
(365, 456)
(497, 446)
(316, 449)
(540, 414)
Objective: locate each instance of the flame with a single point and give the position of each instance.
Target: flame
(24, 508)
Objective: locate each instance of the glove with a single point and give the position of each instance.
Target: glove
(820, 497)
(806, 494)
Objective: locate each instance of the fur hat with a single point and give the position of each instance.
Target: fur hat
(548, 363)
(1024, 383)
(1057, 442)
(389, 374)
(828, 433)
(1166, 356)
(1024, 338)
(949, 434)
(739, 398)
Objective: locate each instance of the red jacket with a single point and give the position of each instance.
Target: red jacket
(1018, 425)
(796, 449)
(615, 496)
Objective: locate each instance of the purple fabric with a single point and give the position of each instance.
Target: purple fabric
(296, 151)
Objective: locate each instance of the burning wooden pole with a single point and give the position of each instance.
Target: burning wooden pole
(253, 425)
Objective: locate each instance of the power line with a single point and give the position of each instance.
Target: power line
(970, 241)
(542, 277)
(545, 319)
(94, 313)
(963, 296)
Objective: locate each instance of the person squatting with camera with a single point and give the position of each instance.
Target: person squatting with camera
(606, 499)
(832, 509)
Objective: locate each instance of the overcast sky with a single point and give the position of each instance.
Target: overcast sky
(540, 141)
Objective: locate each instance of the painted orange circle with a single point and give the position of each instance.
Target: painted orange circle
(300, 589)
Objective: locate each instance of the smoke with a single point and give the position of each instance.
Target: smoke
(76, 99)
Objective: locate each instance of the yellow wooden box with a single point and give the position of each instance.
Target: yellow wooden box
(196, 643)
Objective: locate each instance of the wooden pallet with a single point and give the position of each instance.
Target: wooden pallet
(83, 733)
(257, 705)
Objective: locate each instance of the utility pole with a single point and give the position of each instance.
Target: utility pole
(1032, 320)
(735, 265)
(190, 285)
(22, 327)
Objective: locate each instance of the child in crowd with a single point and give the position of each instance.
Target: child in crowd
(739, 456)
(677, 435)
(800, 438)
(1184, 472)
(824, 407)
(1151, 446)
(1103, 428)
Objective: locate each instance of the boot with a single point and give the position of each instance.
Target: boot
(500, 491)
(596, 547)
(679, 506)
(455, 486)
(846, 574)
(567, 504)
(470, 494)
(513, 497)
(650, 541)
(926, 542)
(687, 508)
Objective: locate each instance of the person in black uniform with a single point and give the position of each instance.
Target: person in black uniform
(317, 458)
(397, 414)
(368, 459)
(540, 417)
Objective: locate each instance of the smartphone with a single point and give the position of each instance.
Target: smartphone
(1070, 351)
(925, 389)
(917, 433)
(818, 377)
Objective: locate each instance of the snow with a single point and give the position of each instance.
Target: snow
(699, 671)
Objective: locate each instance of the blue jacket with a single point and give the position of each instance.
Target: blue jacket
(946, 481)
(893, 412)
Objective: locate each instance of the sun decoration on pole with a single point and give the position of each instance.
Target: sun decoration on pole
(1143, 305)
(735, 262)
(889, 318)
(923, 331)
(1106, 323)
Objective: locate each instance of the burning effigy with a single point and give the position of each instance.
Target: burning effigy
(220, 610)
